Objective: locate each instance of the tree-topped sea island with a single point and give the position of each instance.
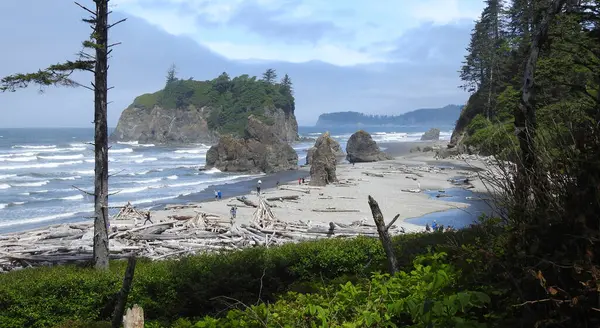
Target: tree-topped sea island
(191, 111)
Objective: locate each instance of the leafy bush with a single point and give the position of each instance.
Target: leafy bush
(202, 284)
(422, 297)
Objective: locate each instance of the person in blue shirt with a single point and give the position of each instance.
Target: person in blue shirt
(434, 225)
(219, 194)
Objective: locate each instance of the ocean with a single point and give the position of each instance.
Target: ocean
(40, 167)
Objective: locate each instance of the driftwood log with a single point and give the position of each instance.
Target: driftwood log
(206, 232)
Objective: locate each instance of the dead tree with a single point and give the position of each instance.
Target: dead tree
(384, 235)
(60, 75)
(525, 116)
(117, 318)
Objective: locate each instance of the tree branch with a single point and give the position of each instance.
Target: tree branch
(86, 9)
(83, 191)
(116, 23)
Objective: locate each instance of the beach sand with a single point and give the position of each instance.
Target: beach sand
(389, 191)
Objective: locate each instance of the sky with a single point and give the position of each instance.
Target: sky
(380, 57)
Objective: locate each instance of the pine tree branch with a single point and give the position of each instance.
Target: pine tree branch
(86, 9)
(57, 75)
(116, 23)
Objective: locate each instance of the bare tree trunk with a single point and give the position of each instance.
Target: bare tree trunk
(525, 117)
(101, 137)
(384, 235)
(123, 293)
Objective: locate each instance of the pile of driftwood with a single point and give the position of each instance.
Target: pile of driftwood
(179, 235)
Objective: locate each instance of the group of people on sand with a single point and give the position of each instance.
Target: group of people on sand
(435, 227)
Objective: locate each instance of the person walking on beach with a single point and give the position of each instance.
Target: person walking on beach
(233, 212)
(216, 195)
(219, 194)
(258, 187)
(299, 181)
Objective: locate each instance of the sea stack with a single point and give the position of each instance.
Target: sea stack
(324, 161)
(432, 134)
(362, 148)
(260, 150)
(335, 147)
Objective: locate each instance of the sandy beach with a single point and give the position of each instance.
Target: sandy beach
(396, 193)
(401, 186)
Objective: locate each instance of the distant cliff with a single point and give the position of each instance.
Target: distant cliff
(189, 111)
(427, 116)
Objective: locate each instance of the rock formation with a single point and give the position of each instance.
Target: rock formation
(260, 150)
(159, 125)
(335, 147)
(362, 148)
(190, 125)
(432, 134)
(324, 161)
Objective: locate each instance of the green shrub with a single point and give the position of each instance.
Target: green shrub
(424, 296)
(198, 285)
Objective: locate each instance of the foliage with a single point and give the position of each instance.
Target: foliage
(231, 100)
(422, 297)
(446, 115)
(196, 286)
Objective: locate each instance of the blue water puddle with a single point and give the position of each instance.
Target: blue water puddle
(456, 217)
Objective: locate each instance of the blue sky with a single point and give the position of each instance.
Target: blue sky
(380, 57)
(338, 32)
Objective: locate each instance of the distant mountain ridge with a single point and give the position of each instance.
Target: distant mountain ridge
(446, 115)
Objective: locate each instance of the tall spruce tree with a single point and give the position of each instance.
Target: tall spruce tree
(95, 62)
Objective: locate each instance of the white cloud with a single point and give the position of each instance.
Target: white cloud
(296, 54)
(366, 26)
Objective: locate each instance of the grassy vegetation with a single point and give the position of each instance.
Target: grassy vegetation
(231, 100)
(200, 285)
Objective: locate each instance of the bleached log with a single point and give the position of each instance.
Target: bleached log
(306, 191)
(180, 217)
(282, 198)
(371, 174)
(182, 206)
(334, 210)
(246, 202)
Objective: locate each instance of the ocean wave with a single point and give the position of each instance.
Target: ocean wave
(7, 176)
(74, 197)
(130, 143)
(147, 180)
(132, 156)
(143, 160)
(4, 186)
(212, 171)
(18, 159)
(31, 184)
(33, 147)
(36, 219)
(120, 151)
(145, 201)
(189, 157)
(61, 157)
(86, 172)
(39, 166)
(69, 178)
(172, 177)
(12, 204)
(3, 206)
(192, 151)
(135, 189)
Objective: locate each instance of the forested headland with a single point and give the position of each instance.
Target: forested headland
(446, 115)
(231, 100)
